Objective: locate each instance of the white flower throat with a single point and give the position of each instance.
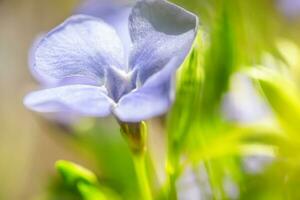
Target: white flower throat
(120, 82)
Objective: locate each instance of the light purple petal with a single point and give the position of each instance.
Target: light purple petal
(119, 83)
(80, 49)
(78, 99)
(154, 98)
(144, 103)
(31, 61)
(113, 12)
(160, 31)
(66, 120)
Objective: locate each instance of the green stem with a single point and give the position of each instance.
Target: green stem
(172, 189)
(173, 169)
(136, 137)
(141, 173)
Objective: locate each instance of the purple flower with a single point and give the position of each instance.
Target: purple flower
(113, 12)
(94, 74)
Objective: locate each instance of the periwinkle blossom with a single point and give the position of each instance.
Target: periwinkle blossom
(93, 73)
(113, 12)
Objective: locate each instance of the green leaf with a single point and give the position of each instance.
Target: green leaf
(239, 140)
(73, 173)
(282, 95)
(190, 78)
(90, 192)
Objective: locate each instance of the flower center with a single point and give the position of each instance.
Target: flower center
(119, 82)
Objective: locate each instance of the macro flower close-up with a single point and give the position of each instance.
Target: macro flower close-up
(94, 74)
(150, 99)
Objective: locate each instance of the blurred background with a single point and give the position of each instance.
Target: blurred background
(28, 149)
(240, 114)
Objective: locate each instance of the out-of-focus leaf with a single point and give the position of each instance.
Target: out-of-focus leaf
(219, 64)
(90, 192)
(105, 145)
(182, 116)
(282, 95)
(190, 76)
(73, 173)
(84, 181)
(241, 141)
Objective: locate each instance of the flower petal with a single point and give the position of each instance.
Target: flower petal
(78, 99)
(81, 48)
(144, 103)
(113, 12)
(154, 98)
(31, 58)
(159, 30)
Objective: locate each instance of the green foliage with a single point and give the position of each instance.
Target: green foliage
(84, 182)
(199, 134)
(89, 192)
(190, 79)
(181, 118)
(282, 95)
(104, 144)
(74, 174)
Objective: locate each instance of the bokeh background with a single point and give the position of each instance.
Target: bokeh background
(238, 35)
(28, 149)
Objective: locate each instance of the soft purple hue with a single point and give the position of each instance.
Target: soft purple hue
(243, 103)
(290, 8)
(95, 73)
(113, 12)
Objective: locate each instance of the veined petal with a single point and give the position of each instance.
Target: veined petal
(145, 103)
(152, 99)
(81, 48)
(119, 83)
(113, 12)
(159, 30)
(31, 60)
(78, 99)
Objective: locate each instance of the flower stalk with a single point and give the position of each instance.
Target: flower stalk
(136, 136)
